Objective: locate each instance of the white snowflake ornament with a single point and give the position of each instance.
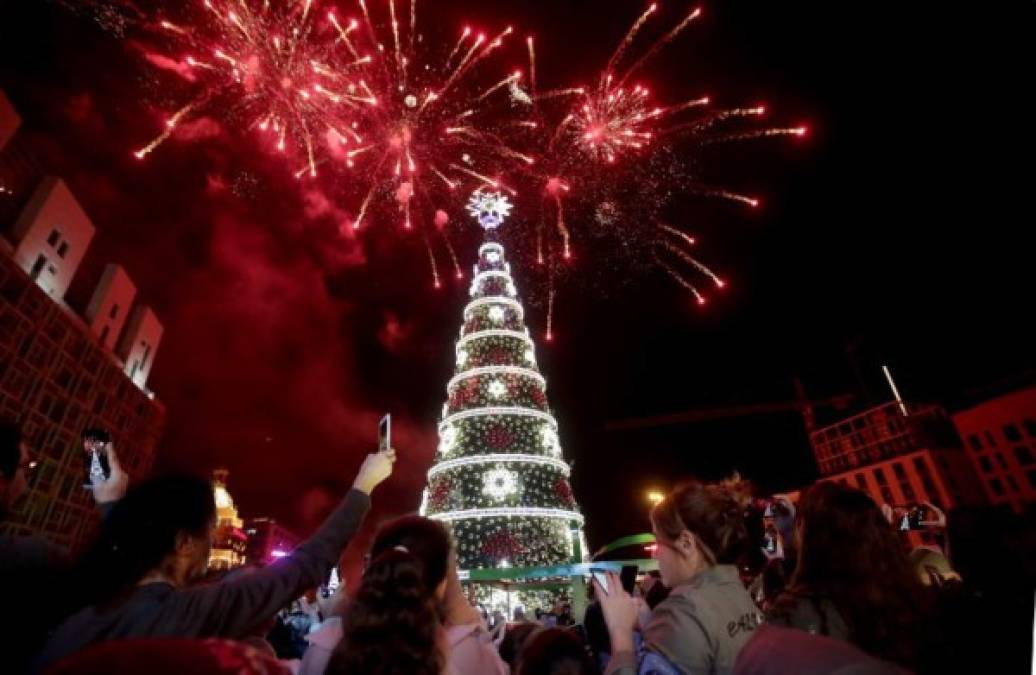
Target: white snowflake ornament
(462, 357)
(497, 389)
(447, 439)
(499, 483)
(489, 208)
(550, 441)
(493, 257)
(496, 314)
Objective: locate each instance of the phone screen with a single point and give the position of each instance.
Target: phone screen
(95, 461)
(385, 432)
(601, 579)
(628, 576)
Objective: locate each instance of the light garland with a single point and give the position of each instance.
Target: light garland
(494, 332)
(496, 370)
(497, 410)
(496, 300)
(476, 281)
(509, 512)
(497, 458)
(491, 273)
(490, 246)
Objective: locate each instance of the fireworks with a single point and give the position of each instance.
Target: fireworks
(402, 126)
(399, 122)
(610, 160)
(268, 67)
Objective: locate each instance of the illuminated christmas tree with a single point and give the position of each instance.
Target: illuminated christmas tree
(499, 478)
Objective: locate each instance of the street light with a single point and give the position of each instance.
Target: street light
(654, 496)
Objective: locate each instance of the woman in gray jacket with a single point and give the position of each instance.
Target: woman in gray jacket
(709, 615)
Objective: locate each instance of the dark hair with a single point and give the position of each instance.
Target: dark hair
(514, 641)
(851, 556)
(10, 447)
(391, 624)
(715, 513)
(141, 531)
(555, 651)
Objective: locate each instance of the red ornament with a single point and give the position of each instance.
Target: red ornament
(498, 356)
(539, 398)
(439, 494)
(465, 392)
(500, 545)
(498, 437)
(564, 492)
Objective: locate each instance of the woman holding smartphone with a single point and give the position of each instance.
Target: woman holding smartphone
(709, 615)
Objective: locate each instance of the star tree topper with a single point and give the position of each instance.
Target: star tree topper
(489, 208)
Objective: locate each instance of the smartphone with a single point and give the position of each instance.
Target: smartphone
(628, 575)
(770, 541)
(385, 433)
(916, 516)
(96, 462)
(601, 579)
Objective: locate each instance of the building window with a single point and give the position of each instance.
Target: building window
(975, 442)
(63, 249)
(1030, 427)
(998, 489)
(1023, 454)
(115, 311)
(53, 238)
(1000, 459)
(987, 466)
(1011, 433)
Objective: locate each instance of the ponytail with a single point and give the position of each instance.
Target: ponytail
(715, 513)
(391, 625)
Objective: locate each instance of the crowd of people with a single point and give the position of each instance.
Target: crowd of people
(744, 585)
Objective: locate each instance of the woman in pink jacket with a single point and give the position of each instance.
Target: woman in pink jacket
(409, 614)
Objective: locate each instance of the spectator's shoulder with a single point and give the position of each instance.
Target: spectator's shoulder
(674, 621)
(30, 553)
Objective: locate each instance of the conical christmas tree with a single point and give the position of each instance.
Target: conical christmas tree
(499, 479)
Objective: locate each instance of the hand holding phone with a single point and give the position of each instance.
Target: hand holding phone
(385, 433)
(110, 484)
(98, 467)
(601, 577)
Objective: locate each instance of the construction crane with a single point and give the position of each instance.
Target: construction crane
(802, 405)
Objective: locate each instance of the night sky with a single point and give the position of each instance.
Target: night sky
(898, 231)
